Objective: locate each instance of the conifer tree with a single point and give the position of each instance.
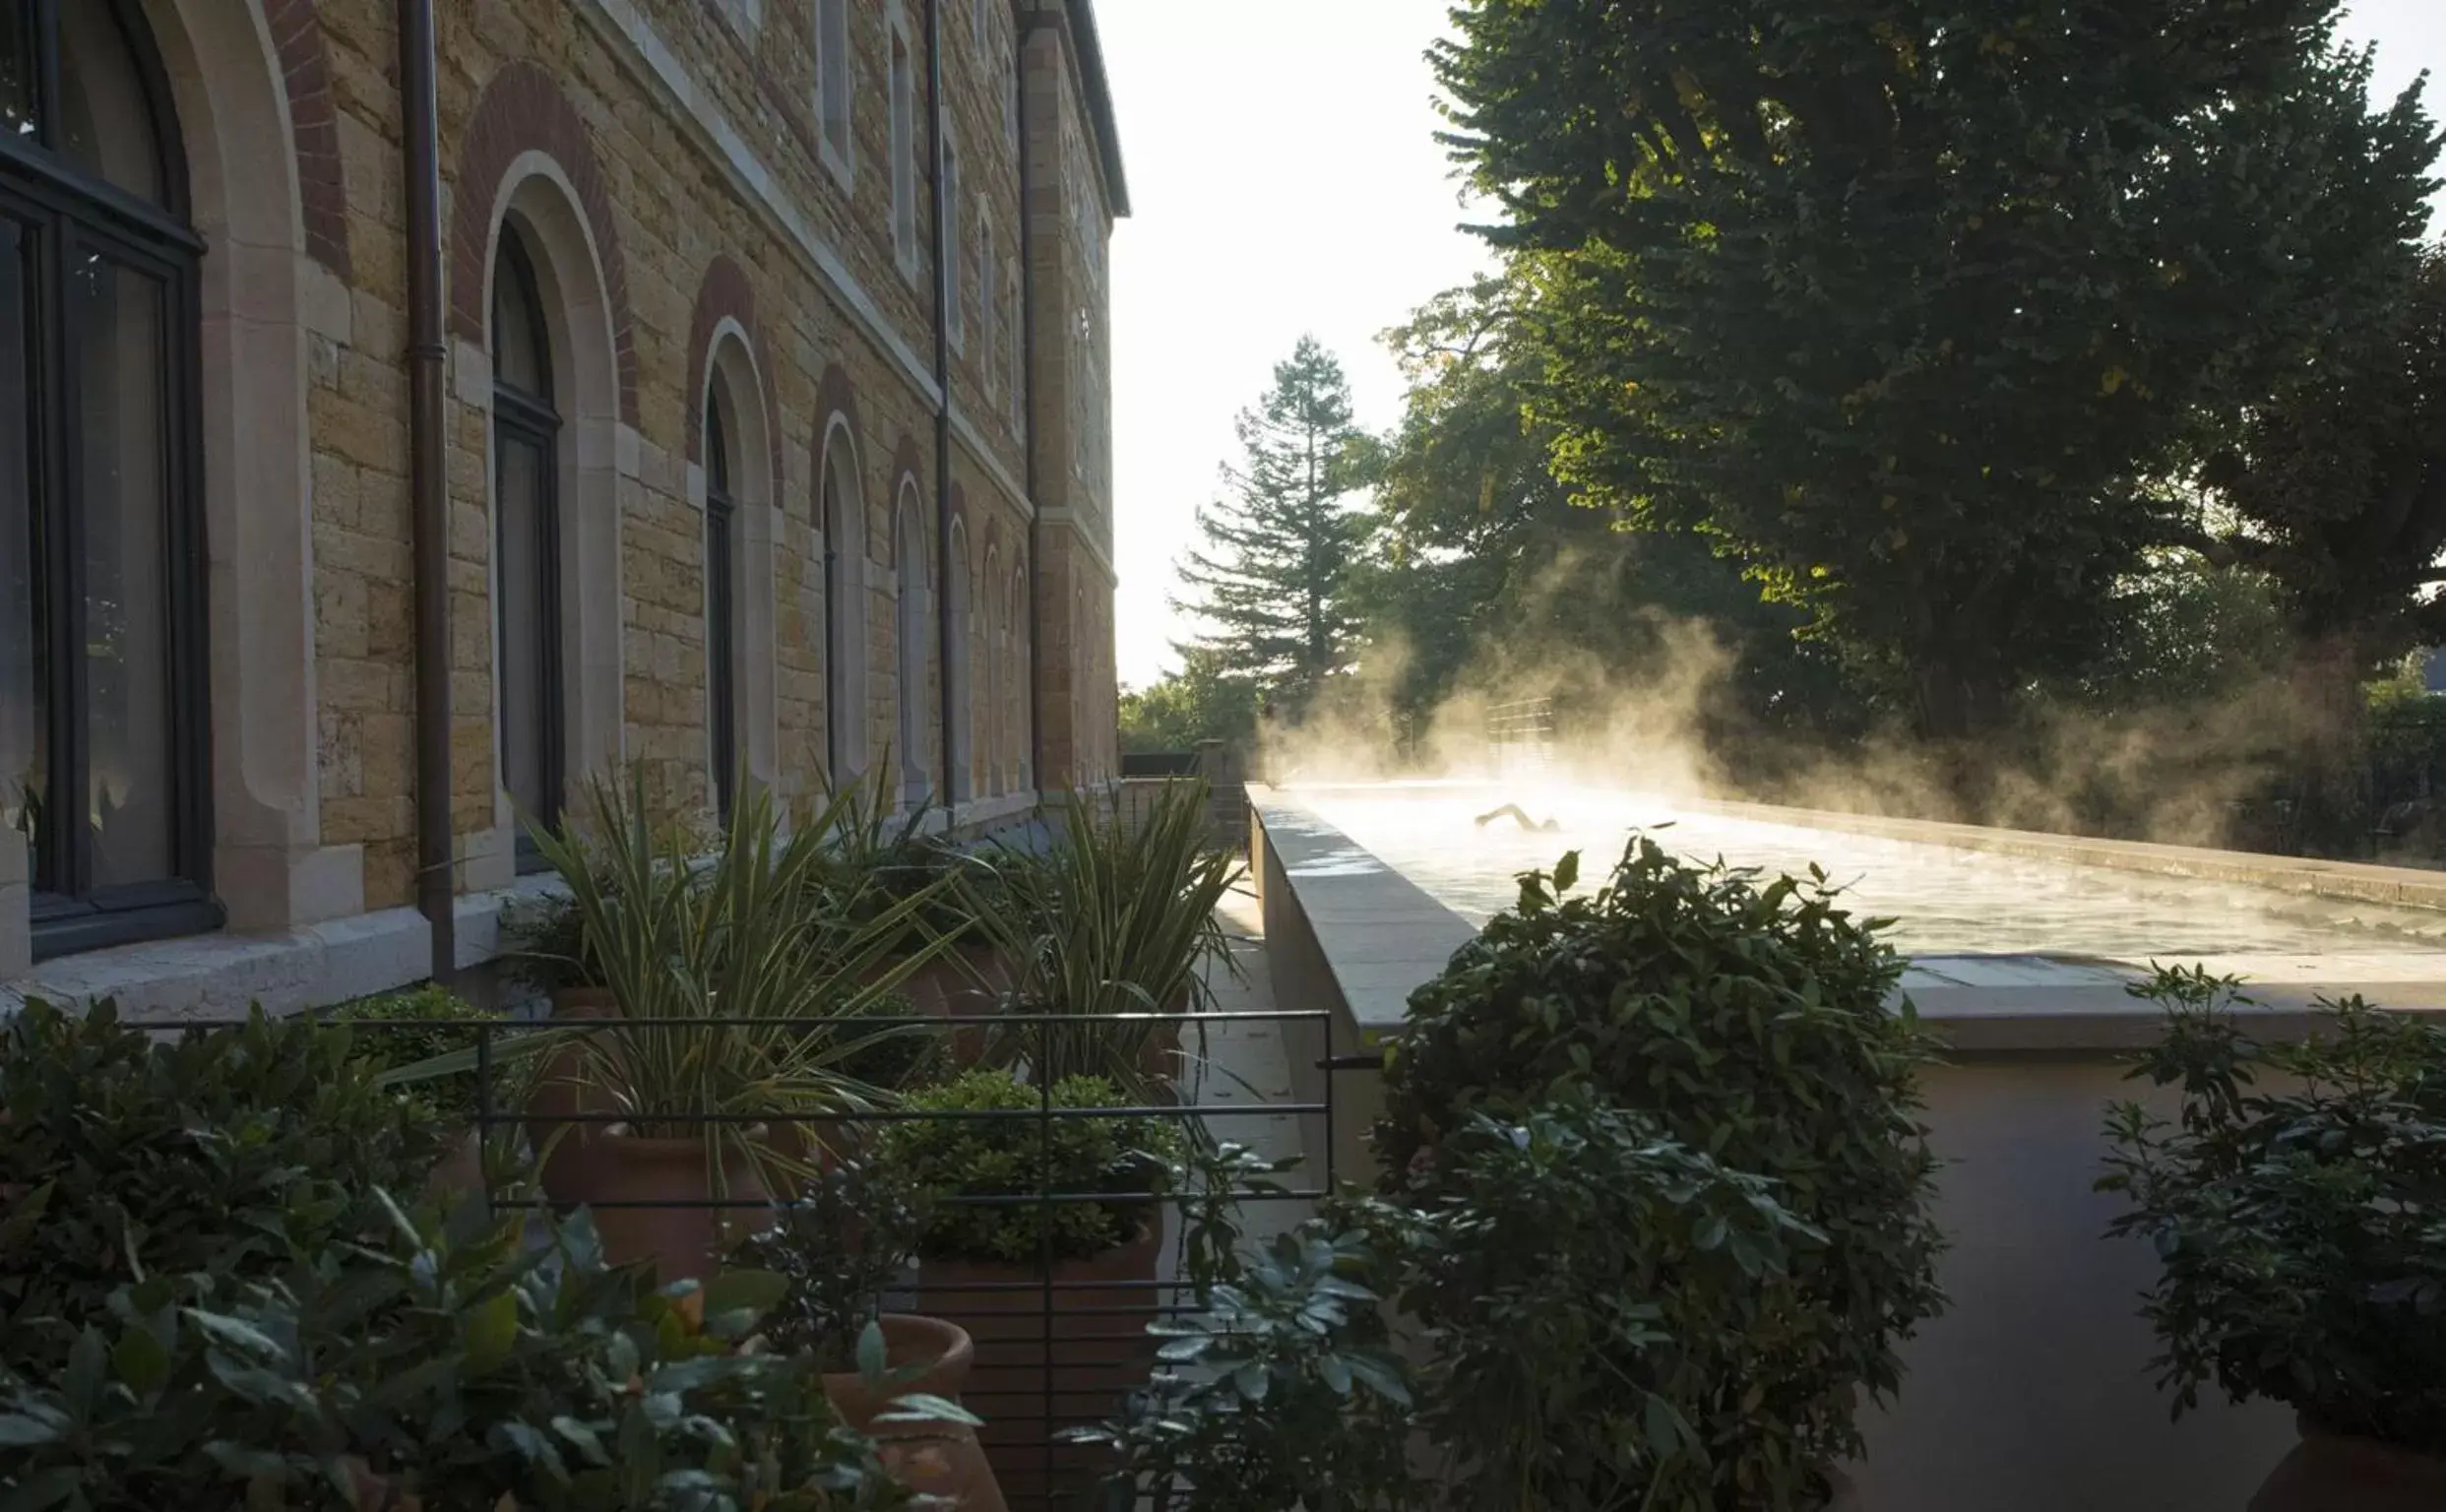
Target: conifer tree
(1270, 576)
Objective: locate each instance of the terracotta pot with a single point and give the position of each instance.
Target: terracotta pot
(686, 1239)
(975, 979)
(935, 1459)
(922, 988)
(460, 1171)
(1100, 1353)
(1841, 1494)
(1172, 1047)
(2336, 1472)
(569, 1153)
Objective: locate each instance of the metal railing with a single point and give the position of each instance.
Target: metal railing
(1520, 734)
(1068, 1346)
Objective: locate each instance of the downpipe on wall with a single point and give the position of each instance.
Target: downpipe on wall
(946, 269)
(428, 501)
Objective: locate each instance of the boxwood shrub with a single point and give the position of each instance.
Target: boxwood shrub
(1748, 1021)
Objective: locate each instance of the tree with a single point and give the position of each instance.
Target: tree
(1200, 702)
(1917, 304)
(2337, 489)
(1493, 569)
(1272, 576)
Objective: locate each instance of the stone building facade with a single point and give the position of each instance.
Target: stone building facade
(774, 448)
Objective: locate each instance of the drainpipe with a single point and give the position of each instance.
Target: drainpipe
(428, 501)
(946, 269)
(1028, 428)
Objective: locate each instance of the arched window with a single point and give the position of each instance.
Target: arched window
(906, 178)
(959, 781)
(103, 744)
(721, 651)
(908, 552)
(844, 608)
(526, 547)
(997, 636)
(1017, 685)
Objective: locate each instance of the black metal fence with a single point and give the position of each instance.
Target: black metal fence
(1058, 1344)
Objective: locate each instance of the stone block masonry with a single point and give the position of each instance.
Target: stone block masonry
(693, 248)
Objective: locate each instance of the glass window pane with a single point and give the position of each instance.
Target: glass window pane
(125, 513)
(105, 121)
(519, 358)
(25, 709)
(720, 652)
(19, 71)
(717, 449)
(525, 628)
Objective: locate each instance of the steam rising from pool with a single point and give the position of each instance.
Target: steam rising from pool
(1945, 901)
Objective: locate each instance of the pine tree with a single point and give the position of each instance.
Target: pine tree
(1271, 579)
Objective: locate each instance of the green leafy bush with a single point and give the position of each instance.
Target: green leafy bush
(961, 1156)
(2300, 1226)
(888, 1059)
(845, 1239)
(1278, 1392)
(451, 1366)
(402, 1029)
(1605, 1307)
(1742, 1019)
(123, 1154)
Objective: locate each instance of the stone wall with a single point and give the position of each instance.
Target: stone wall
(661, 161)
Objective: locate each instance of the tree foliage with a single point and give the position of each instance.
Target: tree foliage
(1917, 303)
(1199, 703)
(1497, 569)
(1270, 577)
(2340, 485)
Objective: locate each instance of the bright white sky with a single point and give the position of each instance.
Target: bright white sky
(1285, 180)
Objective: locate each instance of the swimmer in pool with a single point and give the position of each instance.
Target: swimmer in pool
(1513, 812)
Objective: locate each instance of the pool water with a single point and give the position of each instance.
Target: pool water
(1945, 901)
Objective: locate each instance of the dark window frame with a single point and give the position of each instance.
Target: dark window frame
(833, 510)
(535, 421)
(61, 213)
(721, 690)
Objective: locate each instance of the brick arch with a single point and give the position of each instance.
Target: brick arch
(835, 394)
(522, 111)
(908, 463)
(725, 294)
(314, 129)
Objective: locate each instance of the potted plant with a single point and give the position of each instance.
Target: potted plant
(545, 951)
(2294, 1203)
(839, 1249)
(1278, 1391)
(733, 1000)
(1113, 923)
(1041, 1236)
(1748, 1019)
(1603, 1301)
(868, 859)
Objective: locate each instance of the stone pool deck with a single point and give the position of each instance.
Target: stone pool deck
(2034, 1392)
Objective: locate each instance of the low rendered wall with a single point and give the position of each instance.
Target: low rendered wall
(2033, 1393)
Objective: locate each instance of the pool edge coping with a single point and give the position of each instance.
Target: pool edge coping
(2034, 1018)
